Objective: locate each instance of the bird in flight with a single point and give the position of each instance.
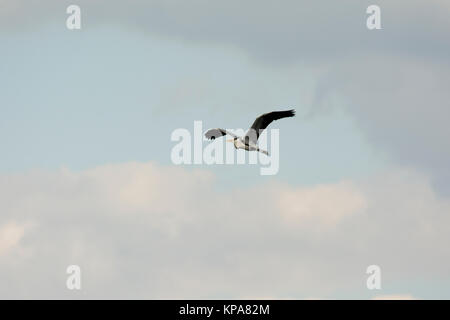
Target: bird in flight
(249, 141)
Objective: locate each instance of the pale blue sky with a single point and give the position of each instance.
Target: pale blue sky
(106, 95)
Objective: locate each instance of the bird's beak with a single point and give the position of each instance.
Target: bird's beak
(230, 140)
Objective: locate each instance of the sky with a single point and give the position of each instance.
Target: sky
(86, 176)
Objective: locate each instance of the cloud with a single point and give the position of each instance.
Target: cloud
(10, 235)
(296, 31)
(327, 205)
(141, 230)
(400, 103)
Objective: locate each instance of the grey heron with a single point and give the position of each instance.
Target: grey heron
(249, 141)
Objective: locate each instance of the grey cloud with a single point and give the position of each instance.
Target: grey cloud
(402, 104)
(269, 30)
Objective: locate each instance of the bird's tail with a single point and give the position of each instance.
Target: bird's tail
(263, 151)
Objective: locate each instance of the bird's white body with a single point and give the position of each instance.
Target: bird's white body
(240, 144)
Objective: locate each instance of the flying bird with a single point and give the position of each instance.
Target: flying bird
(249, 141)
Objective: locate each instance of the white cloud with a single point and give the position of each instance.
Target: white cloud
(140, 230)
(326, 205)
(10, 235)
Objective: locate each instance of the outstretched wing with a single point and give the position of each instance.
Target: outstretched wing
(211, 134)
(263, 121)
